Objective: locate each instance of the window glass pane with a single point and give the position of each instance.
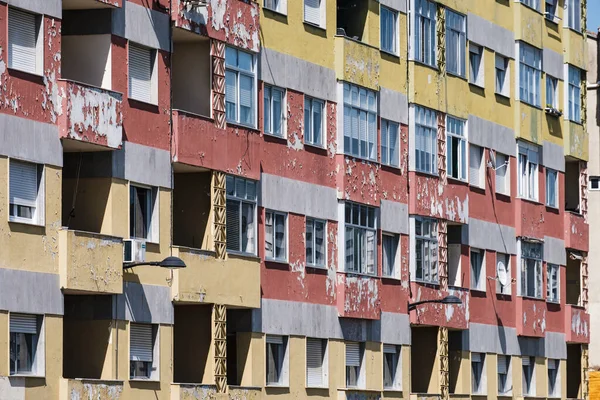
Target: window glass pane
(280, 240)
(246, 100)
(248, 228)
(320, 243)
(310, 227)
(277, 111)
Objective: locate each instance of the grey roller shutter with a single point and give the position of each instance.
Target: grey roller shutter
(23, 183)
(526, 361)
(23, 323)
(475, 357)
(312, 11)
(502, 364)
(353, 354)
(275, 339)
(314, 362)
(140, 344)
(22, 40)
(140, 73)
(389, 348)
(474, 164)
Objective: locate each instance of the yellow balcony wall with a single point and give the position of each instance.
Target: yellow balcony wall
(529, 25)
(93, 389)
(233, 282)
(90, 262)
(576, 140)
(575, 49)
(357, 62)
(530, 121)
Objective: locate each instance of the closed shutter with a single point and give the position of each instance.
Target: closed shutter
(274, 339)
(22, 38)
(389, 348)
(475, 357)
(552, 364)
(246, 91)
(314, 362)
(140, 344)
(23, 323)
(140, 73)
(474, 164)
(233, 225)
(501, 173)
(353, 354)
(312, 11)
(23, 183)
(502, 364)
(526, 361)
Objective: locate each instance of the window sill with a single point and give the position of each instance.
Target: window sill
(532, 201)
(32, 376)
(552, 207)
(32, 74)
(242, 254)
(313, 25)
(428, 174)
(270, 10)
(531, 105)
(359, 274)
(149, 103)
(22, 221)
(457, 75)
(553, 19)
(477, 85)
(503, 194)
(471, 185)
(390, 53)
(458, 180)
(276, 261)
(149, 380)
(557, 302)
(242, 125)
(390, 166)
(430, 283)
(322, 387)
(315, 146)
(503, 95)
(277, 386)
(477, 290)
(147, 241)
(393, 390)
(361, 159)
(275, 136)
(574, 122)
(391, 278)
(541, 299)
(319, 267)
(531, 8)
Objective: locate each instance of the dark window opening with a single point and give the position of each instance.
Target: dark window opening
(352, 18)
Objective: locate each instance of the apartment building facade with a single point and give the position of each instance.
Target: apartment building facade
(319, 166)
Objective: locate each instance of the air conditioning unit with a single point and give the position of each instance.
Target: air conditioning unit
(134, 250)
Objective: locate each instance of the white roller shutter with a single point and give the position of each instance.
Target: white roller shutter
(22, 38)
(501, 171)
(502, 364)
(552, 364)
(312, 11)
(140, 343)
(23, 183)
(526, 361)
(314, 362)
(353, 354)
(140, 73)
(390, 348)
(474, 164)
(23, 323)
(274, 339)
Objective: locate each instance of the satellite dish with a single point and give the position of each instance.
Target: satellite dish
(493, 158)
(502, 273)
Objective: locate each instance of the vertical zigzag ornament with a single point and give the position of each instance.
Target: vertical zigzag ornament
(441, 149)
(585, 366)
(220, 339)
(217, 52)
(583, 189)
(219, 212)
(443, 254)
(440, 26)
(444, 367)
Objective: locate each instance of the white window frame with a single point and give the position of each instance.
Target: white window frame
(37, 336)
(37, 207)
(573, 93)
(426, 140)
(531, 256)
(322, 22)
(550, 9)
(38, 59)
(456, 43)
(427, 241)
(154, 364)
(528, 171)
(282, 362)
(311, 106)
(390, 147)
(478, 270)
(360, 378)
(278, 6)
(388, 38)
(508, 375)
(552, 177)
(502, 166)
(153, 55)
(363, 225)
(271, 255)
(324, 363)
(553, 283)
(529, 77)
(313, 249)
(506, 289)
(502, 75)
(249, 199)
(476, 166)
(392, 271)
(528, 377)
(476, 64)
(572, 17)
(551, 92)
(423, 19)
(554, 388)
(395, 369)
(269, 110)
(152, 215)
(594, 183)
(478, 366)
(237, 71)
(360, 112)
(456, 131)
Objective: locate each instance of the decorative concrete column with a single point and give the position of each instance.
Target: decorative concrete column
(440, 25)
(219, 202)
(220, 341)
(444, 368)
(217, 53)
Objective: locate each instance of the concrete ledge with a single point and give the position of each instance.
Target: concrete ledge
(398, 5)
(553, 156)
(554, 251)
(490, 35)
(149, 304)
(52, 8)
(553, 63)
(394, 217)
(30, 292)
(490, 236)
(491, 135)
(142, 25)
(142, 164)
(484, 338)
(393, 105)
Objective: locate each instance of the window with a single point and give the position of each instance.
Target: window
(354, 358)
(389, 30)
(424, 32)
(142, 75)
(143, 213)
(391, 361)
(426, 140)
(455, 43)
(316, 253)
(574, 94)
(477, 373)
(276, 360)
(26, 200)
(390, 253)
(241, 215)
(25, 44)
(477, 269)
(142, 340)
(275, 236)
(361, 239)
(528, 171)
(426, 251)
(456, 153)
(594, 183)
(551, 92)
(502, 174)
(574, 14)
(528, 376)
(551, 188)
(553, 284)
(279, 6)
(314, 12)
(390, 154)
(476, 71)
(503, 267)
(551, 9)
(553, 378)
(274, 114)
(531, 269)
(24, 339)
(476, 164)
(504, 375)
(360, 122)
(314, 117)
(316, 365)
(502, 76)
(240, 76)
(530, 72)
(535, 4)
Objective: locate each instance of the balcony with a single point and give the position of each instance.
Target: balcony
(91, 116)
(233, 282)
(357, 62)
(90, 4)
(186, 391)
(94, 389)
(576, 232)
(577, 324)
(90, 262)
(358, 296)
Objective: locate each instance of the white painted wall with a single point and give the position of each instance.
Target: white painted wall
(87, 59)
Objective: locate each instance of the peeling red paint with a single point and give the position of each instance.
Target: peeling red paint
(577, 232)
(577, 324)
(430, 197)
(451, 316)
(358, 296)
(531, 317)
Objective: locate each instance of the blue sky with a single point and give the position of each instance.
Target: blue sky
(593, 14)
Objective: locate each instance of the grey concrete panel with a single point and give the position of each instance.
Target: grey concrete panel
(30, 292)
(532, 347)
(398, 5)
(52, 8)
(394, 217)
(554, 251)
(553, 63)
(556, 345)
(395, 328)
(145, 303)
(143, 164)
(553, 156)
(491, 135)
(284, 194)
(393, 105)
(142, 25)
(360, 330)
(490, 35)
(485, 338)
(29, 140)
(286, 71)
(491, 236)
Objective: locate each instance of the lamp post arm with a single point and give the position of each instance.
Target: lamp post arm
(150, 263)
(412, 306)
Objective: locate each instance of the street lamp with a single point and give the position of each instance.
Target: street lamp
(169, 262)
(445, 300)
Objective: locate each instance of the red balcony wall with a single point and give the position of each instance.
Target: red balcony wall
(531, 317)
(576, 232)
(358, 296)
(451, 316)
(577, 325)
(430, 197)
